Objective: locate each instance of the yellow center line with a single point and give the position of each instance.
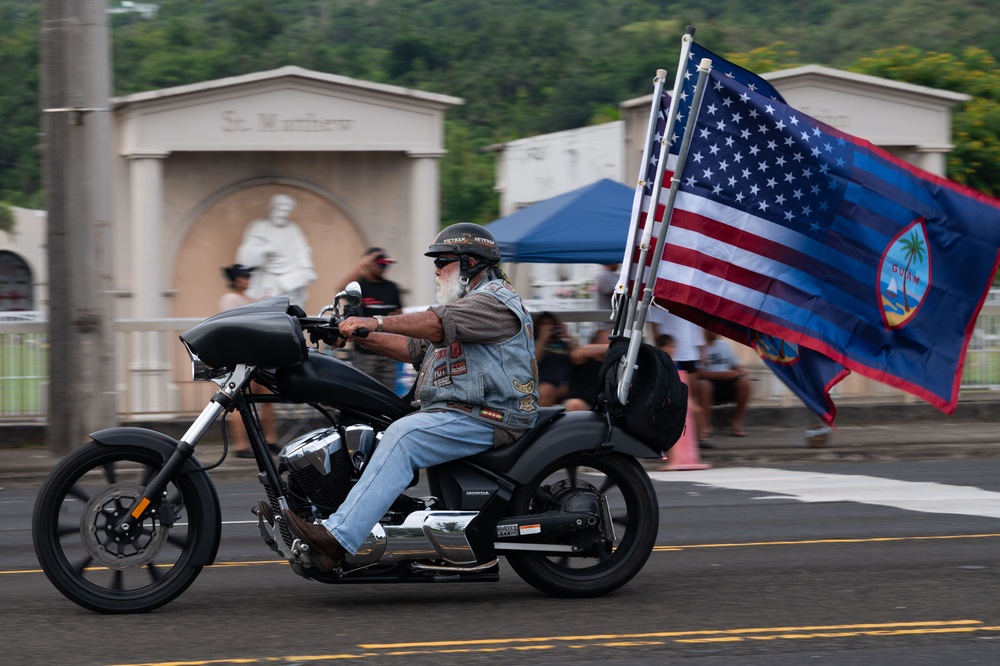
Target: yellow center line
(487, 646)
(668, 634)
(656, 549)
(807, 542)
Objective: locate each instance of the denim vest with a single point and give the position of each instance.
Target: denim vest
(494, 383)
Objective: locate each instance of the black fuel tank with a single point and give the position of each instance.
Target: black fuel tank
(330, 381)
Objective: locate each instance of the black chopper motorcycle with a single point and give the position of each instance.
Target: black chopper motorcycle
(126, 522)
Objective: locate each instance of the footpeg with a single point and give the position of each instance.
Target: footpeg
(264, 510)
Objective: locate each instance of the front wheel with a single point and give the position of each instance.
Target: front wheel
(83, 556)
(629, 495)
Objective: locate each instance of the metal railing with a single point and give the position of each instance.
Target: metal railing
(153, 373)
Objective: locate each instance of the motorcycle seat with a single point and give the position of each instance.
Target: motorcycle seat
(501, 458)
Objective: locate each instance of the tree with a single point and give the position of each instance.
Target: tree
(7, 219)
(913, 248)
(975, 161)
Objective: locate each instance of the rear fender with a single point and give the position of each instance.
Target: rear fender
(208, 498)
(574, 432)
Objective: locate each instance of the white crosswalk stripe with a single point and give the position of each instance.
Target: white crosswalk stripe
(821, 487)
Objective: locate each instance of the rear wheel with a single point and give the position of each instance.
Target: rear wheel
(578, 479)
(83, 556)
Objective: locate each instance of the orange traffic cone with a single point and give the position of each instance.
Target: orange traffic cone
(684, 455)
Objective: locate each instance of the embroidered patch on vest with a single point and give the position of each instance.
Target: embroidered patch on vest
(525, 388)
(527, 404)
(441, 376)
(491, 414)
(460, 406)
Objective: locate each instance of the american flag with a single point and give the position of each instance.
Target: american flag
(786, 229)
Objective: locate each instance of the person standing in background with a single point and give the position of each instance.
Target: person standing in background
(688, 340)
(238, 280)
(379, 296)
(280, 253)
(606, 282)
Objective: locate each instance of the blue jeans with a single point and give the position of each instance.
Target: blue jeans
(414, 442)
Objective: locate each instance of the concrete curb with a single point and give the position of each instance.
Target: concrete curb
(917, 441)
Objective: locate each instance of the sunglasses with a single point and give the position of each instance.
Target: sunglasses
(441, 262)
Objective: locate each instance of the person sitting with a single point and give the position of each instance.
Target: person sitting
(585, 367)
(552, 348)
(477, 385)
(721, 380)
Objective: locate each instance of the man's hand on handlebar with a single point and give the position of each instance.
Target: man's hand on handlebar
(357, 327)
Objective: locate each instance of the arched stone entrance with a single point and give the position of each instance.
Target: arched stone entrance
(16, 293)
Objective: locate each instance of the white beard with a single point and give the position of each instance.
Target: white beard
(450, 289)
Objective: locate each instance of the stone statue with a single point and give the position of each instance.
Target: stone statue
(278, 250)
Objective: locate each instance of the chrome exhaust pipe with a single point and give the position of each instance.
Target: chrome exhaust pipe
(424, 535)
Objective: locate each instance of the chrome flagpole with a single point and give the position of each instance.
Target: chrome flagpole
(633, 236)
(618, 298)
(639, 320)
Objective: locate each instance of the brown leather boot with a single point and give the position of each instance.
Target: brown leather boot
(324, 550)
(264, 509)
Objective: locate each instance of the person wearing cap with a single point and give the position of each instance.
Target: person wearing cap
(476, 387)
(238, 280)
(379, 296)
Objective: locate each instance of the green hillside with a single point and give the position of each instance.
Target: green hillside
(524, 67)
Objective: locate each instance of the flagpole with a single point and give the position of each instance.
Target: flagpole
(639, 320)
(617, 298)
(665, 142)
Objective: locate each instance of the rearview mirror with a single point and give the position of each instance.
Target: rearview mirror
(351, 293)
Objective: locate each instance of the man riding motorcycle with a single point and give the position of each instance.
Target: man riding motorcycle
(477, 385)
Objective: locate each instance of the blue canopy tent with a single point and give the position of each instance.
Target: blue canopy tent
(588, 225)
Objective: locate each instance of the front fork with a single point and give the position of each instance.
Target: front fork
(222, 401)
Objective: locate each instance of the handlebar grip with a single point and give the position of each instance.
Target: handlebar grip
(361, 333)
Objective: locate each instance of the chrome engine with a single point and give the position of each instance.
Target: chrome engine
(324, 464)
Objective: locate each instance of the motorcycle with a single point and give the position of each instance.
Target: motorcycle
(126, 522)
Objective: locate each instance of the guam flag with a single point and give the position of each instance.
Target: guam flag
(821, 250)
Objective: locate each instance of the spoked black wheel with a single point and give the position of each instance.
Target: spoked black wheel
(79, 550)
(578, 479)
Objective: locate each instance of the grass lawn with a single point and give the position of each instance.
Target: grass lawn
(24, 371)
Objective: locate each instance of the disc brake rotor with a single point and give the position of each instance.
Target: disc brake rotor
(113, 550)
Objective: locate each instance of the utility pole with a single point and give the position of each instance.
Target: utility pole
(77, 154)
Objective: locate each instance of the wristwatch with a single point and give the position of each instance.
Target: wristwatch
(378, 319)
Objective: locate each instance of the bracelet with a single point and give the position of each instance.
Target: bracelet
(378, 320)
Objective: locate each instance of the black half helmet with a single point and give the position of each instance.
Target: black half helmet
(465, 238)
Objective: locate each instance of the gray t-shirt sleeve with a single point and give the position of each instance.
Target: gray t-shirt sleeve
(477, 318)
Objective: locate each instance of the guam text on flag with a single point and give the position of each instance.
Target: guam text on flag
(787, 227)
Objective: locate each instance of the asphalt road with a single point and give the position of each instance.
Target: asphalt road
(828, 564)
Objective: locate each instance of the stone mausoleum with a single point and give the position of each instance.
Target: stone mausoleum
(197, 163)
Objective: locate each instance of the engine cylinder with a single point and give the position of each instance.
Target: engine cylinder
(320, 465)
